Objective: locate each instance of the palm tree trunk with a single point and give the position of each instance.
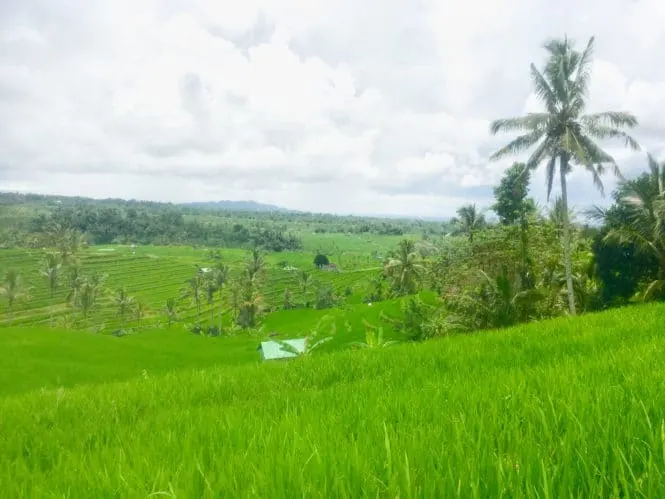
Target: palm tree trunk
(221, 311)
(563, 168)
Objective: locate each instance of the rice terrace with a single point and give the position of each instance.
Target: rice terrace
(153, 349)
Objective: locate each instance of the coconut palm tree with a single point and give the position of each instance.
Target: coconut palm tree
(140, 309)
(74, 282)
(13, 290)
(123, 303)
(255, 266)
(87, 294)
(171, 310)
(220, 277)
(50, 269)
(304, 278)
(469, 220)
(194, 290)
(643, 200)
(405, 268)
(562, 133)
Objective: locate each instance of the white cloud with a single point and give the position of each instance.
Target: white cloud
(375, 106)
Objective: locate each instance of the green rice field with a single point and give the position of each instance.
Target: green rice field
(573, 407)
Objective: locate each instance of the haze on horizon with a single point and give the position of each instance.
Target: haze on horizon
(379, 107)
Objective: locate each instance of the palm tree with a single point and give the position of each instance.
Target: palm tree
(13, 290)
(304, 280)
(470, 220)
(171, 310)
(50, 269)
(644, 204)
(563, 132)
(139, 309)
(74, 282)
(67, 241)
(404, 268)
(195, 292)
(210, 288)
(124, 303)
(220, 277)
(255, 265)
(88, 293)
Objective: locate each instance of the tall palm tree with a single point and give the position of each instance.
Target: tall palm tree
(194, 290)
(220, 277)
(74, 282)
(13, 290)
(470, 220)
(50, 269)
(563, 134)
(255, 266)
(210, 289)
(140, 309)
(304, 278)
(124, 303)
(171, 310)
(405, 268)
(87, 294)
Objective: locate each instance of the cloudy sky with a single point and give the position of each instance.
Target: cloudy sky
(348, 106)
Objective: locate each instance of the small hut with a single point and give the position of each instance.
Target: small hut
(272, 350)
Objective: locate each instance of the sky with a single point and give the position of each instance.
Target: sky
(368, 107)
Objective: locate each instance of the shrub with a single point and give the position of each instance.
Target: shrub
(320, 260)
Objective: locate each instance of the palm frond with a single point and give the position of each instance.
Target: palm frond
(603, 132)
(518, 145)
(633, 234)
(583, 74)
(657, 172)
(586, 152)
(558, 68)
(529, 123)
(610, 118)
(545, 148)
(596, 213)
(596, 171)
(654, 287)
(543, 90)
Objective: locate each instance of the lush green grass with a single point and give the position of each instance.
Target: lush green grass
(40, 357)
(35, 358)
(568, 408)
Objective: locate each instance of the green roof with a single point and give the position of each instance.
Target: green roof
(273, 350)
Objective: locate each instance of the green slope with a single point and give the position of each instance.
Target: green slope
(566, 408)
(153, 275)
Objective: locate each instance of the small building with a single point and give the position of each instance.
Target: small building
(331, 267)
(271, 350)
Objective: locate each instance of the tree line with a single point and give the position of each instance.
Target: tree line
(112, 225)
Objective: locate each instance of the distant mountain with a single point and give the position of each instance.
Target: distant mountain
(235, 206)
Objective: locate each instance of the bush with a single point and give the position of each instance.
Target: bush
(321, 260)
(213, 330)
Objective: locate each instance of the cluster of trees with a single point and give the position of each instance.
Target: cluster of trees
(539, 263)
(113, 225)
(25, 217)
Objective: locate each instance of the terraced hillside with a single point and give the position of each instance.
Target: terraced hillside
(154, 274)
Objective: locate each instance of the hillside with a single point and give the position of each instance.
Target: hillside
(154, 274)
(242, 206)
(570, 407)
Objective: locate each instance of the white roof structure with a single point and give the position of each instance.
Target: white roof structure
(271, 350)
